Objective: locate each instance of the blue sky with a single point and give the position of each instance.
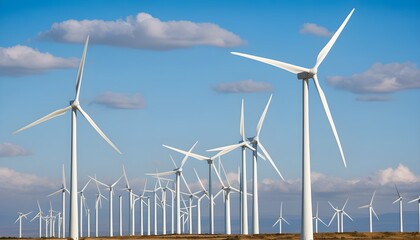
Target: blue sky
(161, 73)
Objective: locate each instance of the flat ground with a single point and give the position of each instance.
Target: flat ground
(352, 235)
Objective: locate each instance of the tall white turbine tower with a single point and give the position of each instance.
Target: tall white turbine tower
(74, 107)
(281, 219)
(98, 203)
(203, 193)
(82, 205)
(417, 200)
(63, 191)
(400, 200)
(130, 203)
(305, 74)
(370, 206)
(39, 216)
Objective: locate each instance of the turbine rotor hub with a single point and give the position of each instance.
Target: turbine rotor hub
(305, 75)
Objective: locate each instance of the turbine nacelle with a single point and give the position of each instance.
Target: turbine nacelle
(306, 75)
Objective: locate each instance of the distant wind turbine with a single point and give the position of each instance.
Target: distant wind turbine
(305, 74)
(203, 193)
(74, 107)
(82, 205)
(340, 216)
(317, 218)
(63, 191)
(418, 201)
(98, 203)
(281, 219)
(371, 210)
(21, 215)
(111, 193)
(399, 199)
(130, 202)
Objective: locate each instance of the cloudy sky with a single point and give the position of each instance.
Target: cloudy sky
(162, 73)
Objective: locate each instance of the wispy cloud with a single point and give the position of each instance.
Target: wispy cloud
(13, 180)
(12, 150)
(373, 98)
(142, 31)
(380, 79)
(246, 86)
(22, 60)
(314, 29)
(120, 100)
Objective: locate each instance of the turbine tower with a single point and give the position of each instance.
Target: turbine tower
(305, 74)
(399, 199)
(21, 215)
(130, 203)
(82, 205)
(370, 206)
(74, 107)
(39, 215)
(204, 193)
(317, 218)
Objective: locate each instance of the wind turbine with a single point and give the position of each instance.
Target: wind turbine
(227, 191)
(111, 192)
(317, 218)
(141, 199)
(281, 218)
(417, 200)
(370, 206)
(21, 215)
(74, 107)
(399, 199)
(82, 205)
(130, 200)
(155, 204)
(305, 74)
(340, 216)
(178, 174)
(63, 191)
(210, 163)
(39, 215)
(98, 203)
(204, 193)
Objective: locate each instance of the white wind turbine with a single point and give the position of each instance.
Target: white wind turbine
(305, 74)
(417, 200)
(210, 163)
(120, 214)
(317, 218)
(141, 199)
(226, 192)
(399, 199)
(130, 202)
(340, 216)
(370, 206)
(178, 174)
(204, 193)
(111, 193)
(63, 191)
(281, 219)
(82, 205)
(190, 202)
(21, 215)
(39, 215)
(163, 193)
(74, 107)
(98, 203)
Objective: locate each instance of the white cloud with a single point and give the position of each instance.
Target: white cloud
(22, 60)
(13, 180)
(12, 150)
(120, 100)
(143, 31)
(373, 98)
(246, 86)
(380, 78)
(401, 175)
(314, 29)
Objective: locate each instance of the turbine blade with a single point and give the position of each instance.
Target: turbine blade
(345, 204)
(199, 180)
(286, 66)
(227, 150)
(218, 176)
(161, 173)
(417, 199)
(327, 48)
(52, 115)
(332, 219)
(193, 155)
(39, 207)
(260, 123)
(97, 181)
(371, 200)
(58, 191)
(374, 213)
(64, 178)
(93, 124)
(186, 184)
(276, 222)
(330, 119)
(322, 221)
(80, 72)
(398, 192)
(173, 161)
(83, 189)
(184, 160)
(347, 215)
(125, 177)
(116, 181)
(364, 206)
(224, 172)
(242, 124)
(261, 156)
(286, 221)
(144, 188)
(270, 160)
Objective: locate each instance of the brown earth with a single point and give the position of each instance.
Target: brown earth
(351, 235)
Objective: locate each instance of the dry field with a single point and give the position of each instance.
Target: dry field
(353, 235)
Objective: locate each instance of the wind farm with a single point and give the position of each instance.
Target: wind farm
(203, 153)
